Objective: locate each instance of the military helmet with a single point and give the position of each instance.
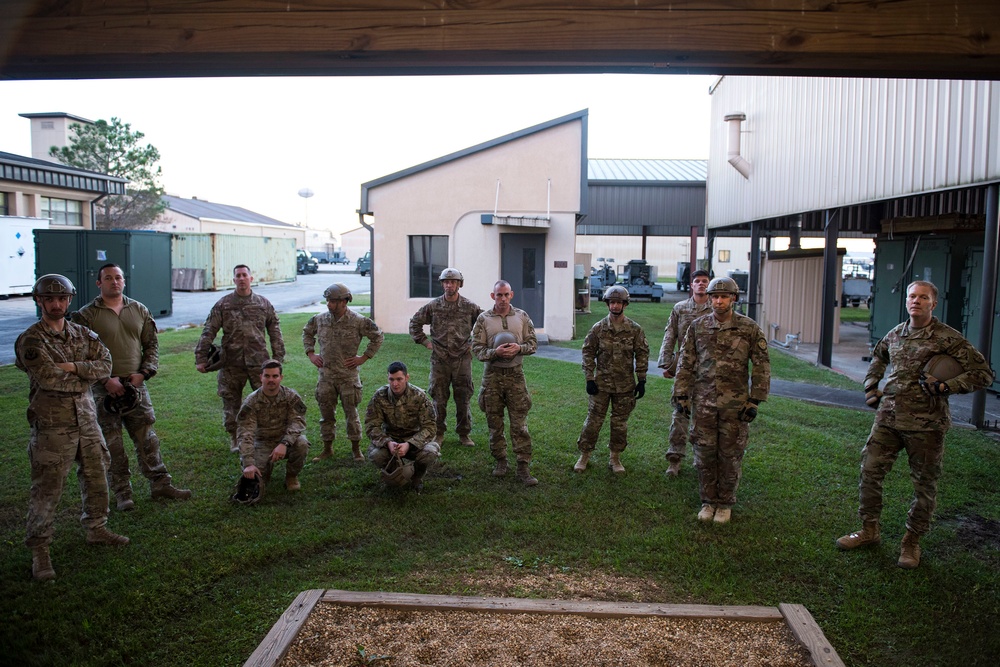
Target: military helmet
(397, 472)
(942, 367)
(338, 291)
(249, 490)
(617, 292)
(723, 286)
(214, 358)
(452, 274)
(504, 337)
(53, 284)
(124, 404)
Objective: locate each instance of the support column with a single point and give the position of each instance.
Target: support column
(828, 304)
(991, 257)
(753, 280)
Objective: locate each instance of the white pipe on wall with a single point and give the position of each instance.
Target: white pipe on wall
(739, 162)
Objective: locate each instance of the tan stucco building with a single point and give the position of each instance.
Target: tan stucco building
(507, 208)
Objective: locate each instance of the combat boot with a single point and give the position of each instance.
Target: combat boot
(292, 483)
(523, 475)
(41, 564)
(674, 469)
(417, 483)
(615, 463)
(124, 502)
(723, 514)
(326, 453)
(169, 491)
(465, 441)
(101, 535)
(707, 513)
(500, 469)
(581, 463)
(356, 450)
(869, 534)
(439, 437)
(909, 553)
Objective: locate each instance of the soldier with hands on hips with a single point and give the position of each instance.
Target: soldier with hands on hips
(681, 317)
(615, 360)
(245, 318)
(723, 374)
(912, 414)
(62, 359)
(451, 317)
(339, 332)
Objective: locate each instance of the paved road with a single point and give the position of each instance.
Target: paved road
(191, 308)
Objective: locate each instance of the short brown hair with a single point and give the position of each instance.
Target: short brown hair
(272, 363)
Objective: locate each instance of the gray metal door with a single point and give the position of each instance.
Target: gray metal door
(522, 264)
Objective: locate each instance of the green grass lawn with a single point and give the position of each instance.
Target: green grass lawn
(204, 580)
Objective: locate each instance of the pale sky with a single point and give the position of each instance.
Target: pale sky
(256, 142)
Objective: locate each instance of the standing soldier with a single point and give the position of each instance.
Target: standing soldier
(244, 318)
(681, 317)
(615, 355)
(129, 332)
(339, 332)
(912, 415)
(502, 337)
(714, 381)
(451, 318)
(62, 359)
(270, 427)
(400, 422)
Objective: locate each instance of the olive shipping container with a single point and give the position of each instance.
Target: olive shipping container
(206, 261)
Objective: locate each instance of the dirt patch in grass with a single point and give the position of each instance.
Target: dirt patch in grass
(976, 532)
(341, 635)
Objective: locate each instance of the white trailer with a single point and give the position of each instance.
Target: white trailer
(17, 250)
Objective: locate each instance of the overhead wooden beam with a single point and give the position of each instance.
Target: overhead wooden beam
(51, 39)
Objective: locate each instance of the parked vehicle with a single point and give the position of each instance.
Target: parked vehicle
(364, 265)
(857, 290)
(638, 277)
(305, 262)
(321, 256)
(338, 257)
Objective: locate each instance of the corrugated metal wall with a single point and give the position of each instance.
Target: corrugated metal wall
(625, 209)
(821, 143)
(790, 289)
(271, 260)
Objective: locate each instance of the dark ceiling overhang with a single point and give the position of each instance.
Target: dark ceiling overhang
(57, 39)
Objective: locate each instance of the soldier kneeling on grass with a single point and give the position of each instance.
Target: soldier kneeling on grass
(400, 423)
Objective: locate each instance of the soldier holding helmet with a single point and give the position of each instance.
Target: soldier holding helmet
(615, 359)
(339, 332)
(62, 359)
(502, 337)
(723, 374)
(451, 317)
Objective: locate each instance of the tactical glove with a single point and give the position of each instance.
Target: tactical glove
(749, 411)
(682, 404)
(873, 396)
(932, 386)
(592, 387)
(640, 389)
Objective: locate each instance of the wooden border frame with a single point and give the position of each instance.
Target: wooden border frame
(278, 641)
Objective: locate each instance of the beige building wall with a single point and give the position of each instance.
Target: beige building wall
(356, 243)
(535, 173)
(177, 223)
(25, 200)
(789, 291)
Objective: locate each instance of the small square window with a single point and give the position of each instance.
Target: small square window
(724, 256)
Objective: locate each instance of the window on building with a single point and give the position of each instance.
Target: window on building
(64, 212)
(428, 258)
(4, 206)
(724, 256)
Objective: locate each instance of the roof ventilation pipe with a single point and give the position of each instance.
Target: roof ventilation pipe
(795, 234)
(739, 163)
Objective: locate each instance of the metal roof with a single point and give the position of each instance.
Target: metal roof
(43, 172)
(647, 171)
(200, 209)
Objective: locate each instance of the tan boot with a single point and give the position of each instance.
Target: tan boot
(723, 514)
(326, 453)
(41, 564)
(466, 441)
(102, 535)
(707, 513)
(909, 553)
(615, 463)
(869, 534)
(169, 491)
(500, 469)
(523, 475)
(439, 437)
(581, 463)
(124, 503)
(356, 450)
(292, 483)
(674, 469)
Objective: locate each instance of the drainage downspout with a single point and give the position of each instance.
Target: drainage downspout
(739, 162)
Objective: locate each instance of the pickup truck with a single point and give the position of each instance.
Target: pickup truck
(364, 265)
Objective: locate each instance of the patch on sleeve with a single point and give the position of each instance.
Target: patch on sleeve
(761, 343)
(31, 355)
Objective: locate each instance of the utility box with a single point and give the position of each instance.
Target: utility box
(17, 251)
(144, 258)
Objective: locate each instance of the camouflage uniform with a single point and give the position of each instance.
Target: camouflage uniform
(406, 418)
(713, 370)
(681, 317)
(909, 419)
(451, 356)
(243, 320)
(264, 422)
(339, 340)
(131, 338)
(503, 384)
(614, 356)
(63, 423)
